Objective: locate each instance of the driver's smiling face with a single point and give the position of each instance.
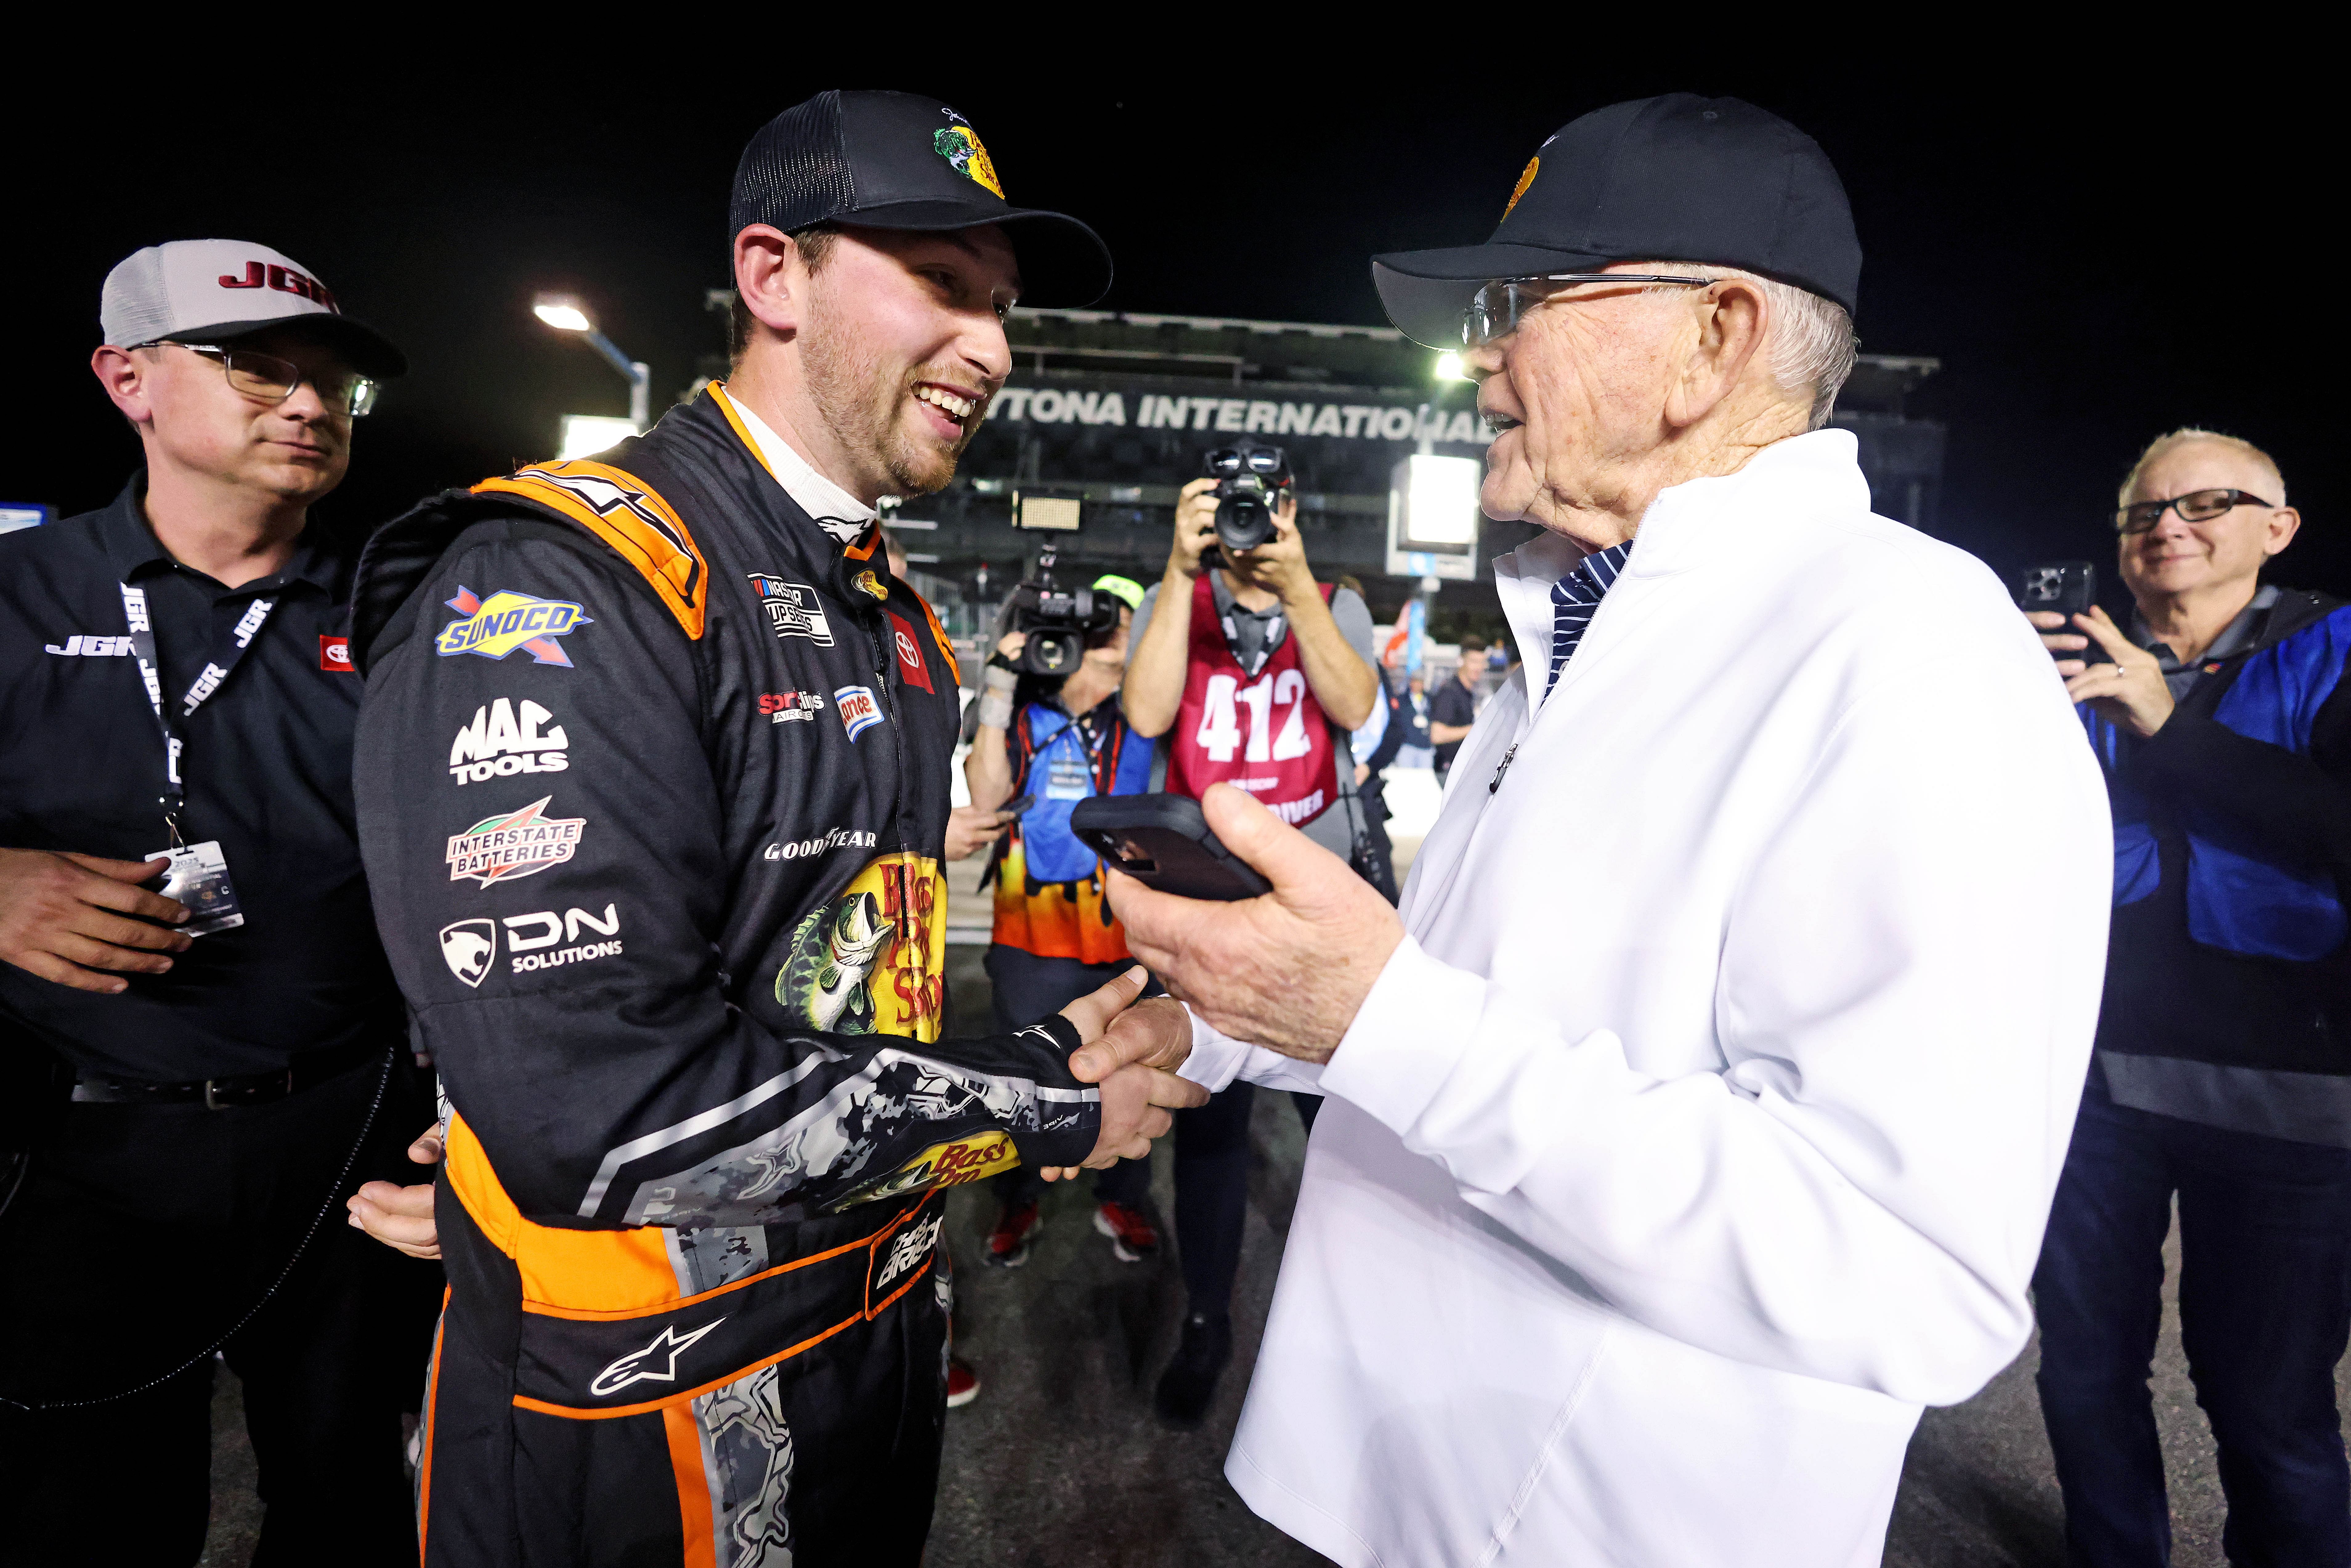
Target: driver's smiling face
(908, 346)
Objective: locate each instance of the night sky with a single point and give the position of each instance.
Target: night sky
(2093, 261)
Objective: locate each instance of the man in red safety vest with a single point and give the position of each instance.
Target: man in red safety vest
(1249, 678)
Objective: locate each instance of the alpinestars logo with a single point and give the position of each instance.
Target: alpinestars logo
(913, 1246)
(514, 844)
(504, 740)
(657, 1363)
(793, 609)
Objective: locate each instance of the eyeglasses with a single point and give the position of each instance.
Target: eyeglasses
(2196, 507)
(273, 380)
(1494, 312)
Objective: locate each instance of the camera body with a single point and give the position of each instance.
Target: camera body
(1057, 622)
(1249, 484)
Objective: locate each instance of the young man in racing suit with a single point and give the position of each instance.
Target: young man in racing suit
(654, 774)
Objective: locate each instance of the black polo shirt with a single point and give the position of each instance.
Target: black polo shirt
(1451, 703)
(266, 770)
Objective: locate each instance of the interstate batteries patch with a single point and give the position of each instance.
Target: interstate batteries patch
(506, 621)
(514, 844)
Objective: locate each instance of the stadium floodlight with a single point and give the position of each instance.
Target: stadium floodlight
(565, 313)
(562, 312)
(1433, 516)
(1448, 367)
(585, 434)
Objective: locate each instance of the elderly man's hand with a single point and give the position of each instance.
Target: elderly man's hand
(1136, 1096)
(1287, 970)
(2130, 691)
(402, 1216)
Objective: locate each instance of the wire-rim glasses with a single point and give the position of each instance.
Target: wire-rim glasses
(2196, 507)
(1495, 309)
(272, 379)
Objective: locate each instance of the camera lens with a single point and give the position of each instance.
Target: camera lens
(1052, 652)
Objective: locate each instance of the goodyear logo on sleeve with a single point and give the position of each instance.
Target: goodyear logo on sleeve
(497, 625)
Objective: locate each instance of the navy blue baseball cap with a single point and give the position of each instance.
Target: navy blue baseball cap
(899, 161)
(1673, 179)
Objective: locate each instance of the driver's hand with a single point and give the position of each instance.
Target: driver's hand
(1195, 526)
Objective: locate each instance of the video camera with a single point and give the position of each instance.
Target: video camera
(1058, 623)
(1250, 483)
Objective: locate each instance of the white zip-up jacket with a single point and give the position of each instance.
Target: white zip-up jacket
(1704, 1126)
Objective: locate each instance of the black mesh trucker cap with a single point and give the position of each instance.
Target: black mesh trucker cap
(899, 161)
(1673, 179)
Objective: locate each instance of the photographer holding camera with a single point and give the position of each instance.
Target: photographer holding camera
(1051, 734)
(1252, 676)
(2221, 1078)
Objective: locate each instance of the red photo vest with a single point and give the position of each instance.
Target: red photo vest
(1264, 734)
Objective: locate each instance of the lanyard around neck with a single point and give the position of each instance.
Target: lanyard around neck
(200, 691)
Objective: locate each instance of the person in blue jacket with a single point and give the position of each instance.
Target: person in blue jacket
(2222, 1074)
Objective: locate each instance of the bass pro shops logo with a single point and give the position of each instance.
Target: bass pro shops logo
(657, 1363)
(959, 145)
(496, 626)
(514, 844)
(503, 741)
(912, 1245)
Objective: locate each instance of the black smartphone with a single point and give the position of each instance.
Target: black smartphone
(1164, 843)
(1014, 808)
(2067, 587)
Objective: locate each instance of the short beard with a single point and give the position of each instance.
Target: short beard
(858, 400)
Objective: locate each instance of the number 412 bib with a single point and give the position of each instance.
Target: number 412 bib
(1265, 733)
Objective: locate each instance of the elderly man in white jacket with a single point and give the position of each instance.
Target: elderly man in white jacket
(1697, 1121)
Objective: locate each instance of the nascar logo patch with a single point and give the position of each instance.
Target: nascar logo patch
(506, 621)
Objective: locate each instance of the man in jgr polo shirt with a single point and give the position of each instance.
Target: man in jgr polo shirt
(218, 1063)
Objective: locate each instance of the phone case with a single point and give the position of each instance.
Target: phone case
(1165, 842)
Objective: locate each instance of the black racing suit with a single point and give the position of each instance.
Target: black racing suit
(652, 781)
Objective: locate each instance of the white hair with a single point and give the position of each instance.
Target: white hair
(1811, 343)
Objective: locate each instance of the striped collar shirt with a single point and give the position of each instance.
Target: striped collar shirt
(1574, 597)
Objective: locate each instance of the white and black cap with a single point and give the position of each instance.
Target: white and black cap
(1675, 178)
(900, 160)
(209, 290)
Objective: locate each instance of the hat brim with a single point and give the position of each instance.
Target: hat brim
(370, 351)
(1425, 293)
(1064, 265)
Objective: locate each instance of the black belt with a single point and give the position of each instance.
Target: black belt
(304, 1071)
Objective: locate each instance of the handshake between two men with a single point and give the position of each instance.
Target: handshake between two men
(1287, 971)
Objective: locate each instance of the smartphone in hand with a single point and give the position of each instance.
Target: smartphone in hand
(2067, 587)
(1165, 842)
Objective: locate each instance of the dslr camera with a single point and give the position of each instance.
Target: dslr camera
(1249, 484)
(1058, 623)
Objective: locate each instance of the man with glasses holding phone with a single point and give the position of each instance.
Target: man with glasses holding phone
(1693, 1123)
(2221, 1078)
(224, 1057)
